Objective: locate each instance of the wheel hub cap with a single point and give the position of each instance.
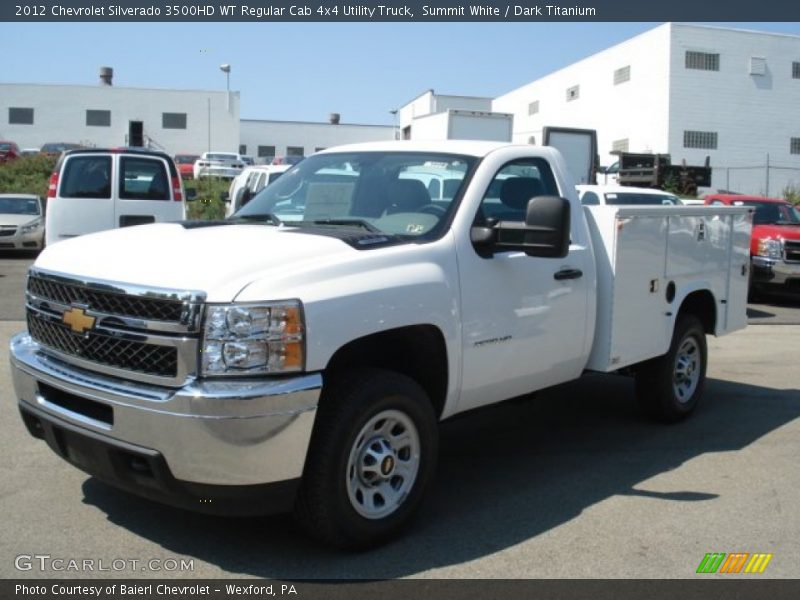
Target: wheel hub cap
(383, 464)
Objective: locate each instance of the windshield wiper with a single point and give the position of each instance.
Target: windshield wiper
(258, 217)
(348, 222)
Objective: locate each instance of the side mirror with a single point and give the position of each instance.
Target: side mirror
(224, 197)
(191, 194)
(545, 232)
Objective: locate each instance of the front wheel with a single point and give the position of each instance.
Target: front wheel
(670, 386)
(372, 455)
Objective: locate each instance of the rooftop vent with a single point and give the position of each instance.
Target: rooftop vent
(106, 75)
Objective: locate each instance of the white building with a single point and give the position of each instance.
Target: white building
(685, 90)
(265, 139)
(104, 115)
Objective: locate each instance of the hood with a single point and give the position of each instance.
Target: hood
(787, 232)
(6, 219)
(217, 259)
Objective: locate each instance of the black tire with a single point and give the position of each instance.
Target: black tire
(670, 386)
(328, 505)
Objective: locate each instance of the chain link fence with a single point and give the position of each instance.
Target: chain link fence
(767, 179)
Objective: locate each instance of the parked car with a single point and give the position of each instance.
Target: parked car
(56, 148)
(8, 151)
(775, 242)
(218, 164)
(251, 181)
(248, 160)
(21, 222)
(287, 160)
(97, 189)
(620, 195)
(185, 164)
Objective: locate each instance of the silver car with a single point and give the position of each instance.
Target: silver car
(21, 222)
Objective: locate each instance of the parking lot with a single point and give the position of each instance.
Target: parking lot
(573, 483)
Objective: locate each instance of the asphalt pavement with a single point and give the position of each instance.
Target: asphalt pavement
(575, 482)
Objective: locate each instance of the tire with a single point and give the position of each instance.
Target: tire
(372, 455)
(670, 386)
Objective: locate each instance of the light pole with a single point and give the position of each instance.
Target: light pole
(226, 68)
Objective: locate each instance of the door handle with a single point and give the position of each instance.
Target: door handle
(567, 274)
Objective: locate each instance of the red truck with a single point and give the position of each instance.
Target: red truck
(775, 243)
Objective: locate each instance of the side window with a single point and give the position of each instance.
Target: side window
(717, 203)
(507, 196)
(143, 179)
(87, 177)
(590, 199)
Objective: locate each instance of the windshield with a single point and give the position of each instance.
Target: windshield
(406, 194)
(639, 199)
(19, 206)
(771, 213)
(185, 159)
(221, 156)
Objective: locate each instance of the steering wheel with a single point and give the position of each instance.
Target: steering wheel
(432, 209)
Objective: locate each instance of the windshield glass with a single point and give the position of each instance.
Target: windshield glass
(637, 199)
(395, 193)
(19, 206)
(769, 213)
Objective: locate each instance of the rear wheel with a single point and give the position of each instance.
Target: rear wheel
(372, 455)
(670, 386)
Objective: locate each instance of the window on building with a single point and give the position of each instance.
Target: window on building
(98, 118)
(622, 75)
(758, 65)
(20, 116)
(706, 140)
(619, 145)
(794, 146)
(266, 151)
(533, 107)
(295, 151)
(242, 148)
(173, 120)
(796, 70)
(703, 61)
(573, 93)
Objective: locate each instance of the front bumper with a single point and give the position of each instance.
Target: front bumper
(22, 241)
(215, 437)
(775, 272)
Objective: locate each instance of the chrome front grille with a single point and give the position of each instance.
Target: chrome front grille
(111, 302)
(7, 231)
(791, 250)
(140, 357)
(140, 334)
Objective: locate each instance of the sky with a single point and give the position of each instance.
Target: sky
(305, 71)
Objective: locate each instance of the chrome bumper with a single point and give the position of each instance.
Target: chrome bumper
(774, 271)
(235, 433)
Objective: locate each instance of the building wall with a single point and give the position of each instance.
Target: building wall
(59, 115)
(753, 115)
(635, 110)
(308, 136)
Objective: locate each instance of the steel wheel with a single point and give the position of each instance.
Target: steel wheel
(686, 374)
(383, 464)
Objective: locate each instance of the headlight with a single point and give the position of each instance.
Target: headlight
(31, 227)
(770, 248)
(252, 339)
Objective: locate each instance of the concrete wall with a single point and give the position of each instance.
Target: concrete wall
(309, 136)
(212, 117)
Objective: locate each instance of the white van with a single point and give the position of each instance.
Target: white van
(93, 190)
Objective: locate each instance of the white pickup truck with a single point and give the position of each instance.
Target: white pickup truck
(311, 369)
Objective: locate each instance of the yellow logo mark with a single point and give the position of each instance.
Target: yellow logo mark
(78, 320)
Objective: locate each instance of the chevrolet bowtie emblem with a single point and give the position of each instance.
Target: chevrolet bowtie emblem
(78, 320)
